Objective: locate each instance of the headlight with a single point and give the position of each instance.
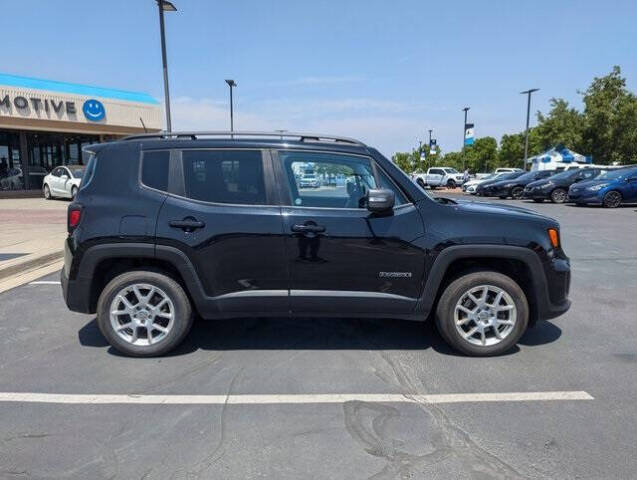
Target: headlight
(596, 188)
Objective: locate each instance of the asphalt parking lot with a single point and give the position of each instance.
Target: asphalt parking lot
(44, 348)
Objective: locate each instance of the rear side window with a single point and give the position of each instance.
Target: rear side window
(155, 170)
(89, 172)
(224, 176)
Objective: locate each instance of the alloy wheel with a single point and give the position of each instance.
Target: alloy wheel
(516, 193)
(612, 199)
(485, 315)
(142, 314)
(559, 195)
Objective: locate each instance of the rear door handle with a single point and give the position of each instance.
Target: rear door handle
(308, 228)
(187, 224)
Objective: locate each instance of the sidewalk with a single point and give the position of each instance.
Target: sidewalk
(32, 233)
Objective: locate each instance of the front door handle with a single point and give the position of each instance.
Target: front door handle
(187, 224)
(308, 228)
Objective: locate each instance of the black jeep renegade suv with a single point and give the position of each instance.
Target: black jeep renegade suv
(169, 226)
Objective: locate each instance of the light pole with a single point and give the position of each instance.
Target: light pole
(528, 114)
(464, 135)
(430, 130)
(231, 84)
(165, 6)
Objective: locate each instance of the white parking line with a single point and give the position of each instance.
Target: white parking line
(46, 282)
(106, 399)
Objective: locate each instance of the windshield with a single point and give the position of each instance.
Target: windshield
(564, 175)
(451, 170)
(491, 175)
(613, 174)
(510, 176)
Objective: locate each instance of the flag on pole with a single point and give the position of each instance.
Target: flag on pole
(432, 147)
(468, 134)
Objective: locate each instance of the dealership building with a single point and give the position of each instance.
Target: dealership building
(45, 123)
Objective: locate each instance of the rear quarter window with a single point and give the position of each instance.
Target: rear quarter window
(155, 169)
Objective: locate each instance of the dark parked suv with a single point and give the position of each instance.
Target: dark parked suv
(169, 226)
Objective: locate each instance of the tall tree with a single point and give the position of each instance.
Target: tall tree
(562, 125)
(610, 120)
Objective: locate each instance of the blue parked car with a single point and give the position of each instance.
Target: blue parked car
(610, 189)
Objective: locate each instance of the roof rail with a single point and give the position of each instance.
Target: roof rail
(302, 137)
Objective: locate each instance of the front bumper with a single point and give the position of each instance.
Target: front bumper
(585, 196)
(536, 194)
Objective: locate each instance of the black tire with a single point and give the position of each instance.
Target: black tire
(47, 192)
(612, 199)
(502, 197)
(516, 193)
(559, 195)
(451, 184)
(456, 289)
(182, 321)
(73, 193)
(538, 200)
(421, 182)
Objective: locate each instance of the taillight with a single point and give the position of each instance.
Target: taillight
(74, 216)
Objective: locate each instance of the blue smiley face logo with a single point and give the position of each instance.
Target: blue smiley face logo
(94, 110)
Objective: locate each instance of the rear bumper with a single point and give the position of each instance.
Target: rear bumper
(76, 293)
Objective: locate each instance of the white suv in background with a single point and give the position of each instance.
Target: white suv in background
(62, 182)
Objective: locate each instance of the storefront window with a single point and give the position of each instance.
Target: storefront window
(11, 172)
(49, 150)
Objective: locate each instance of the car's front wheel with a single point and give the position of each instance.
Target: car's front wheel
(451, 184)
(612, 199)
(559, 195)
(144, 313)
(482, 313)
(517, 192)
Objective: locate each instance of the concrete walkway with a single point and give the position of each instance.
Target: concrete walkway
(32, 233)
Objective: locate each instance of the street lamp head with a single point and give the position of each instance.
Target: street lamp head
(166, 6)
(231, 83)
(531, 90)
(466, 109)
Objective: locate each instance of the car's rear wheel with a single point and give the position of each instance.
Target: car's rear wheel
(144, 313)
(517, 192)
(559, 195)
(612, 199)
(73, 193)
(482, 313)
(46, 192)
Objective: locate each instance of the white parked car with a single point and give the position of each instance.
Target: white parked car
(309, 180)
(439, 177)
(62, 182)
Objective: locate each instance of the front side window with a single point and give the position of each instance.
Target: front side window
(224, 176)
(339, 180)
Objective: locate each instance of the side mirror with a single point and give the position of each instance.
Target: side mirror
(380, 200)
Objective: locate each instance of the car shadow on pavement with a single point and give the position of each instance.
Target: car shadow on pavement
(316, 334)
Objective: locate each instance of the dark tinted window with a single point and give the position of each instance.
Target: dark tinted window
(224, 176)
(155, 169)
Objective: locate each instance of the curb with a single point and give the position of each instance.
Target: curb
(30, 264)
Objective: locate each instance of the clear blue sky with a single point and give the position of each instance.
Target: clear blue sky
(382, 71)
